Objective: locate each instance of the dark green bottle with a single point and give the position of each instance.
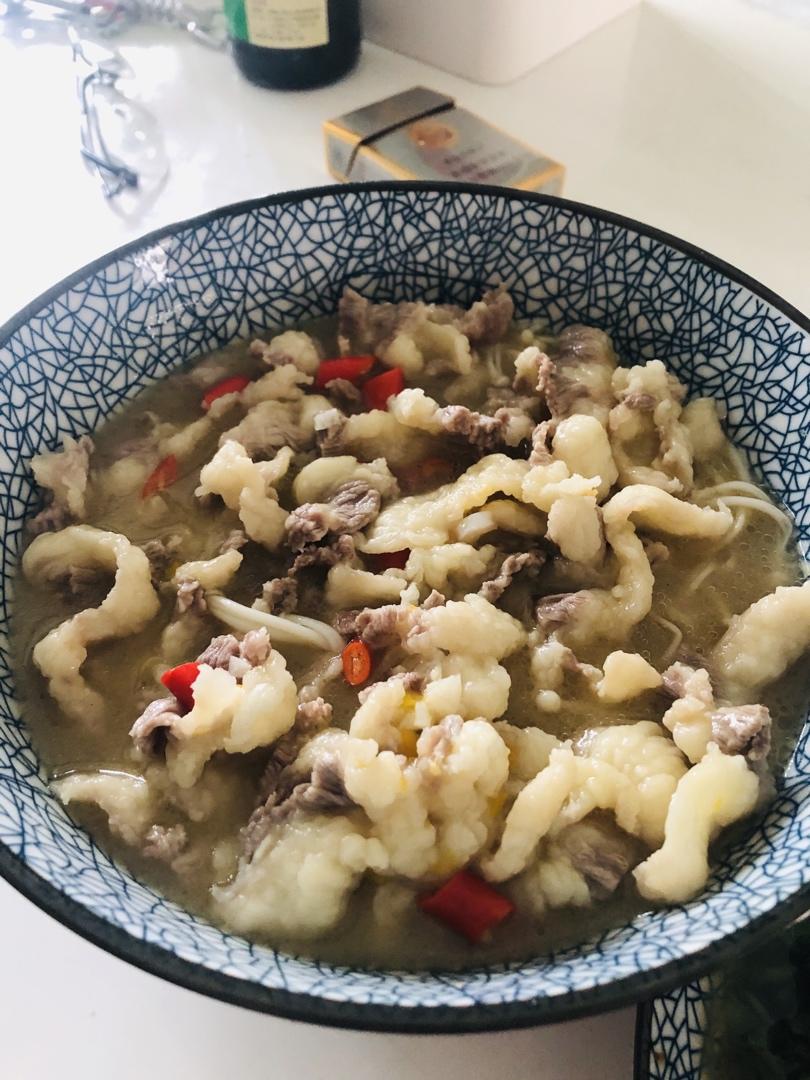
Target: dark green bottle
(294, 44)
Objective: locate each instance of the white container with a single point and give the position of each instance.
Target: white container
(489, 41)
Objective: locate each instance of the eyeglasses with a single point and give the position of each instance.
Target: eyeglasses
(110, 17)
(121, 140)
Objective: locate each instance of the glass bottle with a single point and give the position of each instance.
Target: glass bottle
(294, 44)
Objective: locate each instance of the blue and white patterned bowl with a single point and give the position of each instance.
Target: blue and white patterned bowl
(96, 339)
(670, 1033)
(671, 1030)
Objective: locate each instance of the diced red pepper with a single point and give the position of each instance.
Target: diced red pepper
(378, 390)
(162, 476)
(468, 905)
(426, 475)
(391, 560)
(232, 385)
(356, 659)
(180, 680)
(343, 367)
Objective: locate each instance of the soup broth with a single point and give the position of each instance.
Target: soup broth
(189, 837)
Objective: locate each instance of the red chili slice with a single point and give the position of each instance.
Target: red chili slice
(343, 367)
(180, 680)
(356, 659)
(162, 476)
(378, 390)
(391, 560)
(468, 905)
(232, 385)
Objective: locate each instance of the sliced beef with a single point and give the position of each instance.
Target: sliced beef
(505, 397)
(78, 579)
(686, 680)
(560, 392)
(381, 627)
(340, 549)
(554, 612)
(235, 656)
(254, 648)
(569, 662)
(737, 729)
(413, 682)
(234, 541)
(579, 378)
(326, 789)
(307, 524)
(344, 393)
(602, 859)
(743, 729)
(51, 518)
(512, 565)
(161, 554)
(220, 651)
(378, 627)
(190, 597)
(323, 792)
(478, 429)
(269, 426)
(345, 622)
(437, 742)
(280, 596)
(313, 715)
(283, 753)
(353, 506)
(367, 325)
(540, 453)
(639, 400)
(64, 475)
(585, 346)
(507, 426)
(151, 728)
(373, 326)
(487, 321)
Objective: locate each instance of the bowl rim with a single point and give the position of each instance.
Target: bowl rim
(156, 960)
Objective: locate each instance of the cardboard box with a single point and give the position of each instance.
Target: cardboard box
(423, 135)
(490, 41)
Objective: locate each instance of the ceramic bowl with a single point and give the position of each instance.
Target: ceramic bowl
(93, 341)
(670, 1032)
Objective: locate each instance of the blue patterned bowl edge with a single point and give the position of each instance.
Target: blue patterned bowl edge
(670, 1033)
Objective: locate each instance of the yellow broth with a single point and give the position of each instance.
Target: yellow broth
(698, 588)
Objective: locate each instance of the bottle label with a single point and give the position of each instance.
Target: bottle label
(279, 24)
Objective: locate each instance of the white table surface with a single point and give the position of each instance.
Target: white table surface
(693, 116)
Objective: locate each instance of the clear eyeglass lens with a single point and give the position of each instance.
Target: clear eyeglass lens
(121, 139)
